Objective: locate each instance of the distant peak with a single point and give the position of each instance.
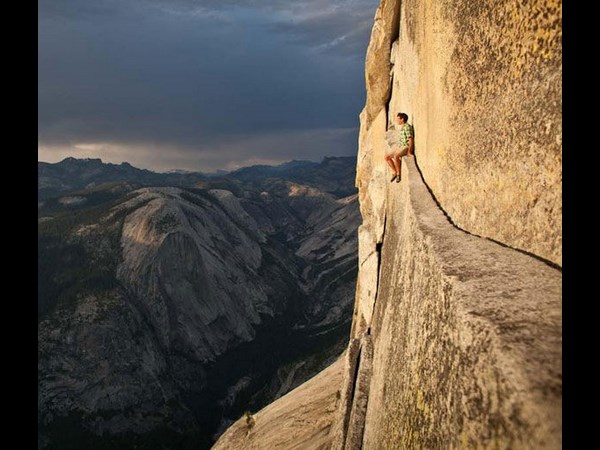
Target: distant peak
(70, 159)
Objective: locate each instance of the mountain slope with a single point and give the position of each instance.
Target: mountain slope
(72, 174)
(159, 305)
(334, 175)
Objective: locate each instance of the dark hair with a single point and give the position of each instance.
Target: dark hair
(404, 116)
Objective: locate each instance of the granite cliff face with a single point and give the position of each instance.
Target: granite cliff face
(155, 304)
(482, 85)
(456, 333)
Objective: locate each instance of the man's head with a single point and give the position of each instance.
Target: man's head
(401, 118)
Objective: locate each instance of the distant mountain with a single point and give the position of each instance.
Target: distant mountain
(71, 173)
(264, 171)
(166, 311)
(333, 175)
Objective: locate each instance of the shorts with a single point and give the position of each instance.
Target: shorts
(400, 151)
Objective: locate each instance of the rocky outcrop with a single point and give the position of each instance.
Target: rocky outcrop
(194, 268)
(456, 333)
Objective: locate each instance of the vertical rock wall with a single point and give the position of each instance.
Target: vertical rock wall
(464, 334)
(482, 84)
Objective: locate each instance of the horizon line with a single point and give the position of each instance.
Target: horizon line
(196, 171)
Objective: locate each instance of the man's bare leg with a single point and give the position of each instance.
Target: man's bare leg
(397, 164)
(388, 159)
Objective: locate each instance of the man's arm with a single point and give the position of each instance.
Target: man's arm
(410, 145)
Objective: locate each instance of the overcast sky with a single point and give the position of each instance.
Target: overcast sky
(201, 84)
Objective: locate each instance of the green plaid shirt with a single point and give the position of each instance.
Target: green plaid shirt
(406, 132)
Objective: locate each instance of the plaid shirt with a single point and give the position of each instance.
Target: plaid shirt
(406, 132)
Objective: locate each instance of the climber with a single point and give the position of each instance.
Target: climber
(402, 147)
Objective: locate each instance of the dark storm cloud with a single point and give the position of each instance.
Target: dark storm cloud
(201, 84)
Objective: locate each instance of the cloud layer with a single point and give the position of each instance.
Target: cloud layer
(200, 85)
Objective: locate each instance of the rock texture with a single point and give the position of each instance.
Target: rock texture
(456, 333)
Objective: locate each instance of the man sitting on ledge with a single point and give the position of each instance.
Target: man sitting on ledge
(403, 147)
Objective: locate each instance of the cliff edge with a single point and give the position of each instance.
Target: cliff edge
(456, 335)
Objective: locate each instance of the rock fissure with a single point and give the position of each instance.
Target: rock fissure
(354, 385)
(360, 397)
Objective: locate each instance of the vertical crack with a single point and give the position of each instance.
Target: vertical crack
(348, 393)
(360, 397)
(378, 250)
(355, 377)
